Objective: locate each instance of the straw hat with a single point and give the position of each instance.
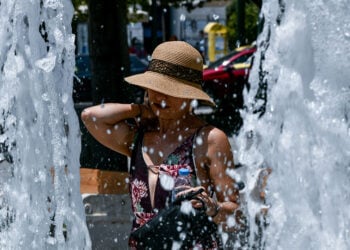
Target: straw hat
(175, 70)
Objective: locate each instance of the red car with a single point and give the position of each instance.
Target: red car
(226, 77)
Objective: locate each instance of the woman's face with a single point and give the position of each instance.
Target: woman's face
(168, 107)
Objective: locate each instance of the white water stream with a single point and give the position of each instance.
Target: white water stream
(304, 134)
(40, 202)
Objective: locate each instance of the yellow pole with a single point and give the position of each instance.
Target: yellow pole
(225, 44)
(211, 46)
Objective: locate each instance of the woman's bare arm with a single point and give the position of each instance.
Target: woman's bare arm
(217, 156)
(107, 124)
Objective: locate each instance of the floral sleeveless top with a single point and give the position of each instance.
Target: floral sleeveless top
(181, 157)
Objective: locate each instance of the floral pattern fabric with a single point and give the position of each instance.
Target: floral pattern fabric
(139, 189)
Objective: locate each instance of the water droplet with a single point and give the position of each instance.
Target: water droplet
(65, 98)
(47, 63)
(216, 17)
(199, 140)
(194, 103)
(3, 138)
(45, 97)
(163, 104)
(166, 181)
(182, 17)
(183, 106)
(151, 150)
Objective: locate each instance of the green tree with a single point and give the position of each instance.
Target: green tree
(251, 21)
(80, 13)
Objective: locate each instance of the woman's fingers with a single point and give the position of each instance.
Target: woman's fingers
(202, 199)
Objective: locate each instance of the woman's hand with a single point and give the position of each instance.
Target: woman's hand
(146, 112)
(211, 205)
(202, 199)
(146, 117)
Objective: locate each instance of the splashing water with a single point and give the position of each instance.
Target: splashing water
(297, 123)
(40, 202)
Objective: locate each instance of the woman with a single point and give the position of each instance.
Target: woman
(168, 136)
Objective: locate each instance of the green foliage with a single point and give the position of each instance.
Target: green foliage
(251, 23)
(79, 14)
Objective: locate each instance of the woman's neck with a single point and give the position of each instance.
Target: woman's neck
(175, 125)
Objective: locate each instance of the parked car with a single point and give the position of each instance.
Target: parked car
(225, 77)
(224, 80)
(82, 79)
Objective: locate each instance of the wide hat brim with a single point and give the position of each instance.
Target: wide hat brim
(170, 86)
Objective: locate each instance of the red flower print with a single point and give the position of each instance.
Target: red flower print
(139, 190)
(143, 218)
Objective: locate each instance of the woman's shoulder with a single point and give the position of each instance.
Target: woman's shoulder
(211, 137)
(212, 132)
